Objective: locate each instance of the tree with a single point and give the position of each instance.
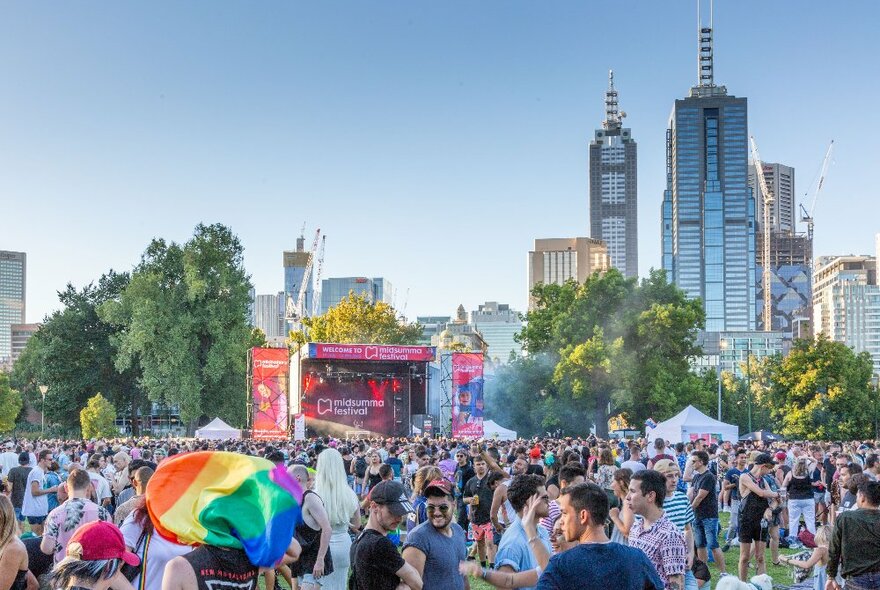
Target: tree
(618, 344)
(10, 404)
(183, 325)
(73, 355)
(98, 418)
(822, 390)
(357, 320)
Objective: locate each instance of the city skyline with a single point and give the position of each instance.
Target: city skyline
(390, 127)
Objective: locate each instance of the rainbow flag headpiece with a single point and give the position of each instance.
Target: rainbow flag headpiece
(226, 500)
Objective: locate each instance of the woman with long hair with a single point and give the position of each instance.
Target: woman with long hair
(343, 511)
(605, 473)
(154, 550)
(798, 486)
(620, 515)
(421, 479)
(13, 555)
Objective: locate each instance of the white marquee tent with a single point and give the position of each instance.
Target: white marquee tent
(690, 424)
(218, 430)
(493, 430)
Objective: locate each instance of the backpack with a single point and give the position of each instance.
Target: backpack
(360, 466)
(807, 538)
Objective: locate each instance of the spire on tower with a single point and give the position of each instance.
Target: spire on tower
(613, 115)
(706, 54)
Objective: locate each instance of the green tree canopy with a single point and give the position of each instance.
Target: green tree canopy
(72, 354)
(357, 320)
(615, 344)
(98, 418)
(10, 404)
(822, 390)
(183, 324)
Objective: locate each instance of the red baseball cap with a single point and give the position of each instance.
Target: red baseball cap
(439, 484)
(100, 540)
(535, 453)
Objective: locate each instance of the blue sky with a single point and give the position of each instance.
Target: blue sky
(431, 142)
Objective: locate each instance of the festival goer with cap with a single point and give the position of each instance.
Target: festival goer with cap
(435, 547)
(94, 559)
(376, 563)
(478, 496)
(753, 517)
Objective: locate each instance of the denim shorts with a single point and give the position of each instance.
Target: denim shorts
(18, 515)
(706, 533)
(36, 519)
(869, 581)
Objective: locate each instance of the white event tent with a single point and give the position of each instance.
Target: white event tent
(493, 430)
(217, 429)
(691, 424)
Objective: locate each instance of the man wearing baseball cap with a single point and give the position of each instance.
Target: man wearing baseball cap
(755, 495)
(376, 564)
(435, 547)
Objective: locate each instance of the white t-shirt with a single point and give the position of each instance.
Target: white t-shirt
(8, 460)
(634, 466)
(160, 552)
(35, 505)
(102, 488)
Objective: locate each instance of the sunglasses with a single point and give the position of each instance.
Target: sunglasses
(443, 508)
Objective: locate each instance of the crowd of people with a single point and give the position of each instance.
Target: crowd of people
(435, 513)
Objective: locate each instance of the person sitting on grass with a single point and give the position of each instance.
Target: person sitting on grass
(818, 560)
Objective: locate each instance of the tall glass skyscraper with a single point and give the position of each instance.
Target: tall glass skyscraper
(708, 209)
(295, 263)
(614, 187)
(13, 280)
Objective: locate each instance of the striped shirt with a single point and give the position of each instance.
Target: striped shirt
(678, 510)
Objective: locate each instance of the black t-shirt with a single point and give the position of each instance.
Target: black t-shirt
(17, 481)
(375, 561)
(708, 507)
(535, 470)
(478, 487)
(38, 562)
(222, 568)
(462, 476)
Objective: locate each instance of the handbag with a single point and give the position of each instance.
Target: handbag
(137, 573)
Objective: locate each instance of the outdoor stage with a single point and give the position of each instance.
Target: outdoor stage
(359, 390)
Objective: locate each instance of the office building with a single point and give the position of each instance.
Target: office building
(334, 290)
(780, 183)
(461, 335)
(557, 260)
(431, 325)
(295, 264)
(846, 303)
(498, 324)
(21, 333)
(730, 350)
(614, 187)
(269, 316)
(13, 283)
(708, 228)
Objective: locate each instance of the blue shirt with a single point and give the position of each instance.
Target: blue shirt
(442, 555)
(514, 551)
(600, 566)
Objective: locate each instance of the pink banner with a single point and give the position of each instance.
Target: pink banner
(467, 391)
(270, 377)
(371, 352)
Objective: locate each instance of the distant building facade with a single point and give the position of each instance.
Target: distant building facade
(557, 260)
(334, 290)
(498, 324)
(459, 333)
(21, 333)
(614, 187)
(269, 316)
(13, 295)
(846, 303)
(780, 183)
(431, 325)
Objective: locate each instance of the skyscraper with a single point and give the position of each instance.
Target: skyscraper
(780, 182)
(614, 187)
(334, 290)
(269, 316)
(13, 281)
(556, 260)
(708, 210)
(499, 325)
(295, 263)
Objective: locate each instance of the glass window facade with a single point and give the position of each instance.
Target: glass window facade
(13, 278)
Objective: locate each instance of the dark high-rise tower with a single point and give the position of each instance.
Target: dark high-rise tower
(708, 210)
(614, 187)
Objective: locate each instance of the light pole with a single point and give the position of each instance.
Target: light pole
(749, 379)
(43, 390)
(723, 346)
(875, 381)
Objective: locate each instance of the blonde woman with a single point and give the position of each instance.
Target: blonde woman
(341, 504)
(13, 555)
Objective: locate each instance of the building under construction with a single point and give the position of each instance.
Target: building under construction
(790, 283)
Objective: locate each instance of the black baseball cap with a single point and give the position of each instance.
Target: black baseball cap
(764, 459)
(393, 495)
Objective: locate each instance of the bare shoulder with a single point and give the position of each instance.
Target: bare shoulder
(179, 575)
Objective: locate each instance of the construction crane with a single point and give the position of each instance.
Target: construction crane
(807, 216)
(766, 273)
(295, 311)
(316, 298)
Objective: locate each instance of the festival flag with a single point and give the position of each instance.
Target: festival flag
(226, 500)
